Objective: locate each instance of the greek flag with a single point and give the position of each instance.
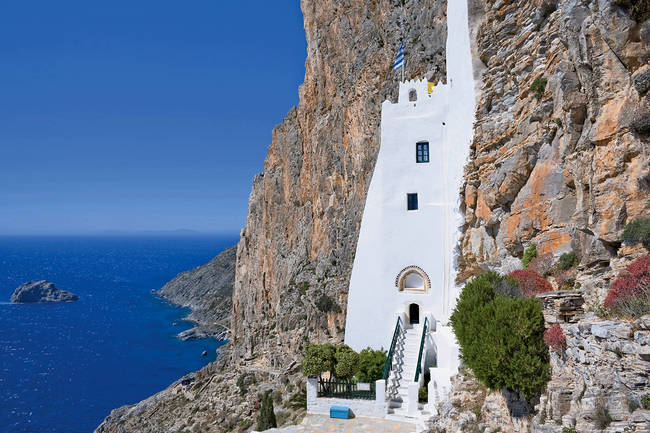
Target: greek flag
(399, 60)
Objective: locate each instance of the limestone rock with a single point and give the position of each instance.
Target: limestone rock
(41, 291)
(569, 169)
(207, 290)
(641, 79)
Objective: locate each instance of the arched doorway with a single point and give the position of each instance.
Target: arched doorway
(414, 314)
(413, 279)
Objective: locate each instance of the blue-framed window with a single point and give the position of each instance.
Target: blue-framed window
(422, 152)
(411, 201)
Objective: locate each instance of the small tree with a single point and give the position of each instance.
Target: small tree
(371, 364)
(529, 254)
(266, 417)
(501, 337)
(347, 362)
(319, 358)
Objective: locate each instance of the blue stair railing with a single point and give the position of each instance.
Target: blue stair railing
(389, 358)
(418, 369)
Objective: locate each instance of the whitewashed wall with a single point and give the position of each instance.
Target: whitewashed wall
(366, 408)
(392, 238)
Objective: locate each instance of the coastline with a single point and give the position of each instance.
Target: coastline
(206, 290)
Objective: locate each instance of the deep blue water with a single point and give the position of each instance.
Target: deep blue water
(63, 367)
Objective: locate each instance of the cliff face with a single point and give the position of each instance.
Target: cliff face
(207, 290)
(297, 250)
(566, 168)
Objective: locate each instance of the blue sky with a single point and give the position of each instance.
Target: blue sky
(140, 115)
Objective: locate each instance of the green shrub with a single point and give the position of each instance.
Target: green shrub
(326, 304)
(371, 365)
(501, 337)
(538, 86)
(637, 231)
(569, 430)
(347, 362)
(319, 358)
(567, 261)
(558, 122)
(639, 10)
(645, 401)
(529, 254)
(266, 417)
(423, 394)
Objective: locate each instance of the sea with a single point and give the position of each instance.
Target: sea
(65, 366)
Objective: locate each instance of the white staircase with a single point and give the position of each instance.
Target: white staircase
(405, 361)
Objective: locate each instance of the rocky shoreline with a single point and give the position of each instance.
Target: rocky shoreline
(207, 291)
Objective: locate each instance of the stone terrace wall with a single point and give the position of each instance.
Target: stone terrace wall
(604, 370)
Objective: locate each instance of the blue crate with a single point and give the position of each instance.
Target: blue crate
(339, 412)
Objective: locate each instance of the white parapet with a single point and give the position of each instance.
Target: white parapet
(380, 391)
(412, 404)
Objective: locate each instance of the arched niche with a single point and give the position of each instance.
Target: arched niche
(413, 279)
(413, 95)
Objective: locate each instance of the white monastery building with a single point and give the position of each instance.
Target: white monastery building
(402, 288)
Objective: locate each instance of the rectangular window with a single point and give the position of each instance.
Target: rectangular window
(422, 152)
(411, 201)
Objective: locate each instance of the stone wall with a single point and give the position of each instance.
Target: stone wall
(562, 306)
(603, 374)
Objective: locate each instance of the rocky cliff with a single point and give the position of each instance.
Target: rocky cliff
(207, 290)
(564, 165)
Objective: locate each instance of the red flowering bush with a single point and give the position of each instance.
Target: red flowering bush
(629, 294)
(530, 282)
(555, 339)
